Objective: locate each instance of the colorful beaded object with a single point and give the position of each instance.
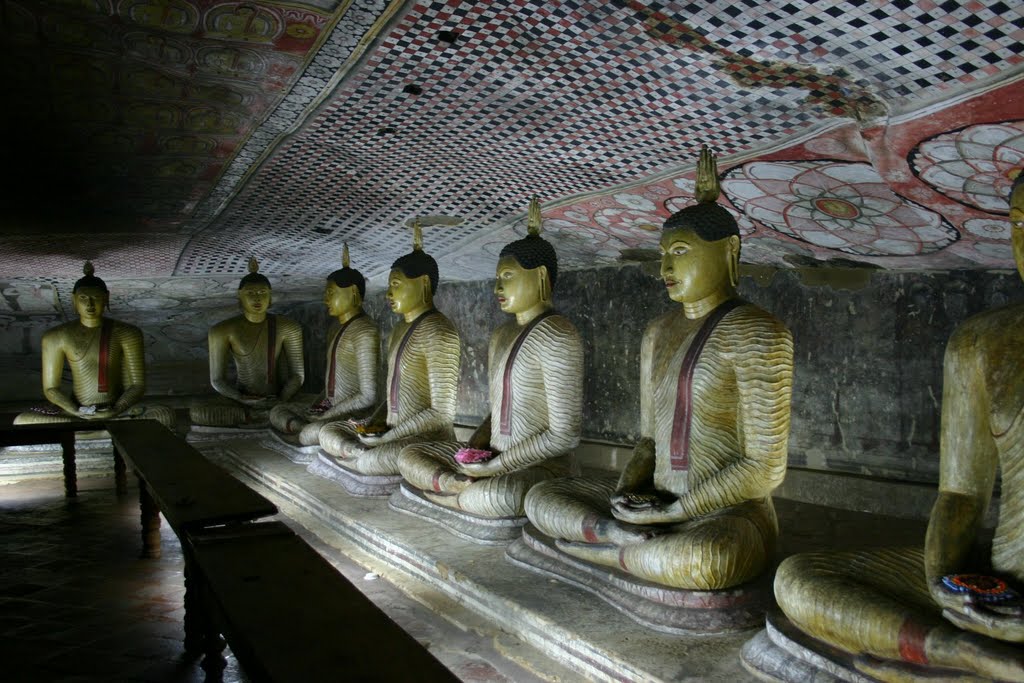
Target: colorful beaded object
(980, 586)
(470, 455)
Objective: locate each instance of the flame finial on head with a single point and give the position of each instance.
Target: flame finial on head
(88, 269)
(707, 188)
(533, 217)
(254, 265)
(89, 278)
(344, 255)
(417, 235)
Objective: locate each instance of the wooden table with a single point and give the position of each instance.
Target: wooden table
(62, 433)
(290, 616)
(192, 493)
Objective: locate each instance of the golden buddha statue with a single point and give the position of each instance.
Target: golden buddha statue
(107, 360)
(904, 612)
(267, 353)
(350, 381)
(536, 390)
(692, 509)
(422, 382)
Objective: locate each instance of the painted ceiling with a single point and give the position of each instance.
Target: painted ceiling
(179, 137)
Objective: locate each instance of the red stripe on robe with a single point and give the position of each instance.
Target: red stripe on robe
(679, 451)
(397, 372)
(506, 382)
(103, 376)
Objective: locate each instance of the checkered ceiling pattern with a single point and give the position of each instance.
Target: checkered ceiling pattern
(465, 109)
(572, 98)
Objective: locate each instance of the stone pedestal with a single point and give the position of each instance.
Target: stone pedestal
(782, 652)
(488, 530)
(355, 483)
(672, 610)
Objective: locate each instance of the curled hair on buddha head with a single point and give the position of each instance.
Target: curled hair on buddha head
(346, 277)
(708, 219)
(254, 277)
(89, 279)
(533, 251)
(418, 262)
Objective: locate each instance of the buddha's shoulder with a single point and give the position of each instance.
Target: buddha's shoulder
(121, 328)
(286, 324)
(364, 324)
(748, 317)
(436, 323)
(228, 325)
(989, 332)
(557, 325)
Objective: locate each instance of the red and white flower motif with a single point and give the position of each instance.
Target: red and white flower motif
(975, 165)
(837, 205)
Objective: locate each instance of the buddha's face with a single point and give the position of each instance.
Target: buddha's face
(341, 300)
(692, 268)
(1017, 226)
(407, 293)
(255, 298)
(518, 289)
(90, 302)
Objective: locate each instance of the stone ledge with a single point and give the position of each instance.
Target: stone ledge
(565, 623)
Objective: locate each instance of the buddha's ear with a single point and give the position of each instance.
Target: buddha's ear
(733, 264)
(426, 292)
(545, 283)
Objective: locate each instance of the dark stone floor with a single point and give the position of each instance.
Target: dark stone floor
(76, 601)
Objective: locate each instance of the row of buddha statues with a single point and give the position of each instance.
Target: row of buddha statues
(692, 509)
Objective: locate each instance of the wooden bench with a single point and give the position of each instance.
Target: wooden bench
(290, 616)
(192, 493)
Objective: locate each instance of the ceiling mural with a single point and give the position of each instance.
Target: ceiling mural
(876, 133)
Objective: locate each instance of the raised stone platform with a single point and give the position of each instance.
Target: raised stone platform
(355, 483)
(289, 446)
(200, 433)
(487, 530)
(470, 582)
(92, 458)
(782, 652)
(672, 610)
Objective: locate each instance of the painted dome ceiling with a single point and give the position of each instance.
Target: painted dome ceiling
(179, 137)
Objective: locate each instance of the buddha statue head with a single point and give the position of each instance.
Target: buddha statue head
(527, 269)
(700, 246)
(1017, 221)
(254, 293)
(345, 288)
(413, 278)
(90, 296)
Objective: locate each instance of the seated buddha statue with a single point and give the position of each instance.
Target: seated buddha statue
(107, 360)
(266, 350)
(535, 367)
(692, 508)
(423, 375)
(949, 605)
(350, 380)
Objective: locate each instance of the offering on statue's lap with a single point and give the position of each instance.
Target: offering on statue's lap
(981, 588)
(468, 456)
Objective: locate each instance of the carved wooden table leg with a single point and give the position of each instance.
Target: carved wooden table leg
(67, 445)
(150, 523)
(120, 473)
(213, 644)
(196, 621)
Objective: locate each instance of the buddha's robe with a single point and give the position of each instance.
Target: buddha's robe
(718, 427)
(350, 379)
(268, 362)
(536, 410)
(422, 384)
(878, 602)
(107, 371)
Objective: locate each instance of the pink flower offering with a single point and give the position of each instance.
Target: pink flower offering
(470, 455)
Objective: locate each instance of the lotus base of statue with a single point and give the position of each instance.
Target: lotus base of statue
(662, 608)
(355, 483)
(290, 447)
(782, 652)
(486, 530)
